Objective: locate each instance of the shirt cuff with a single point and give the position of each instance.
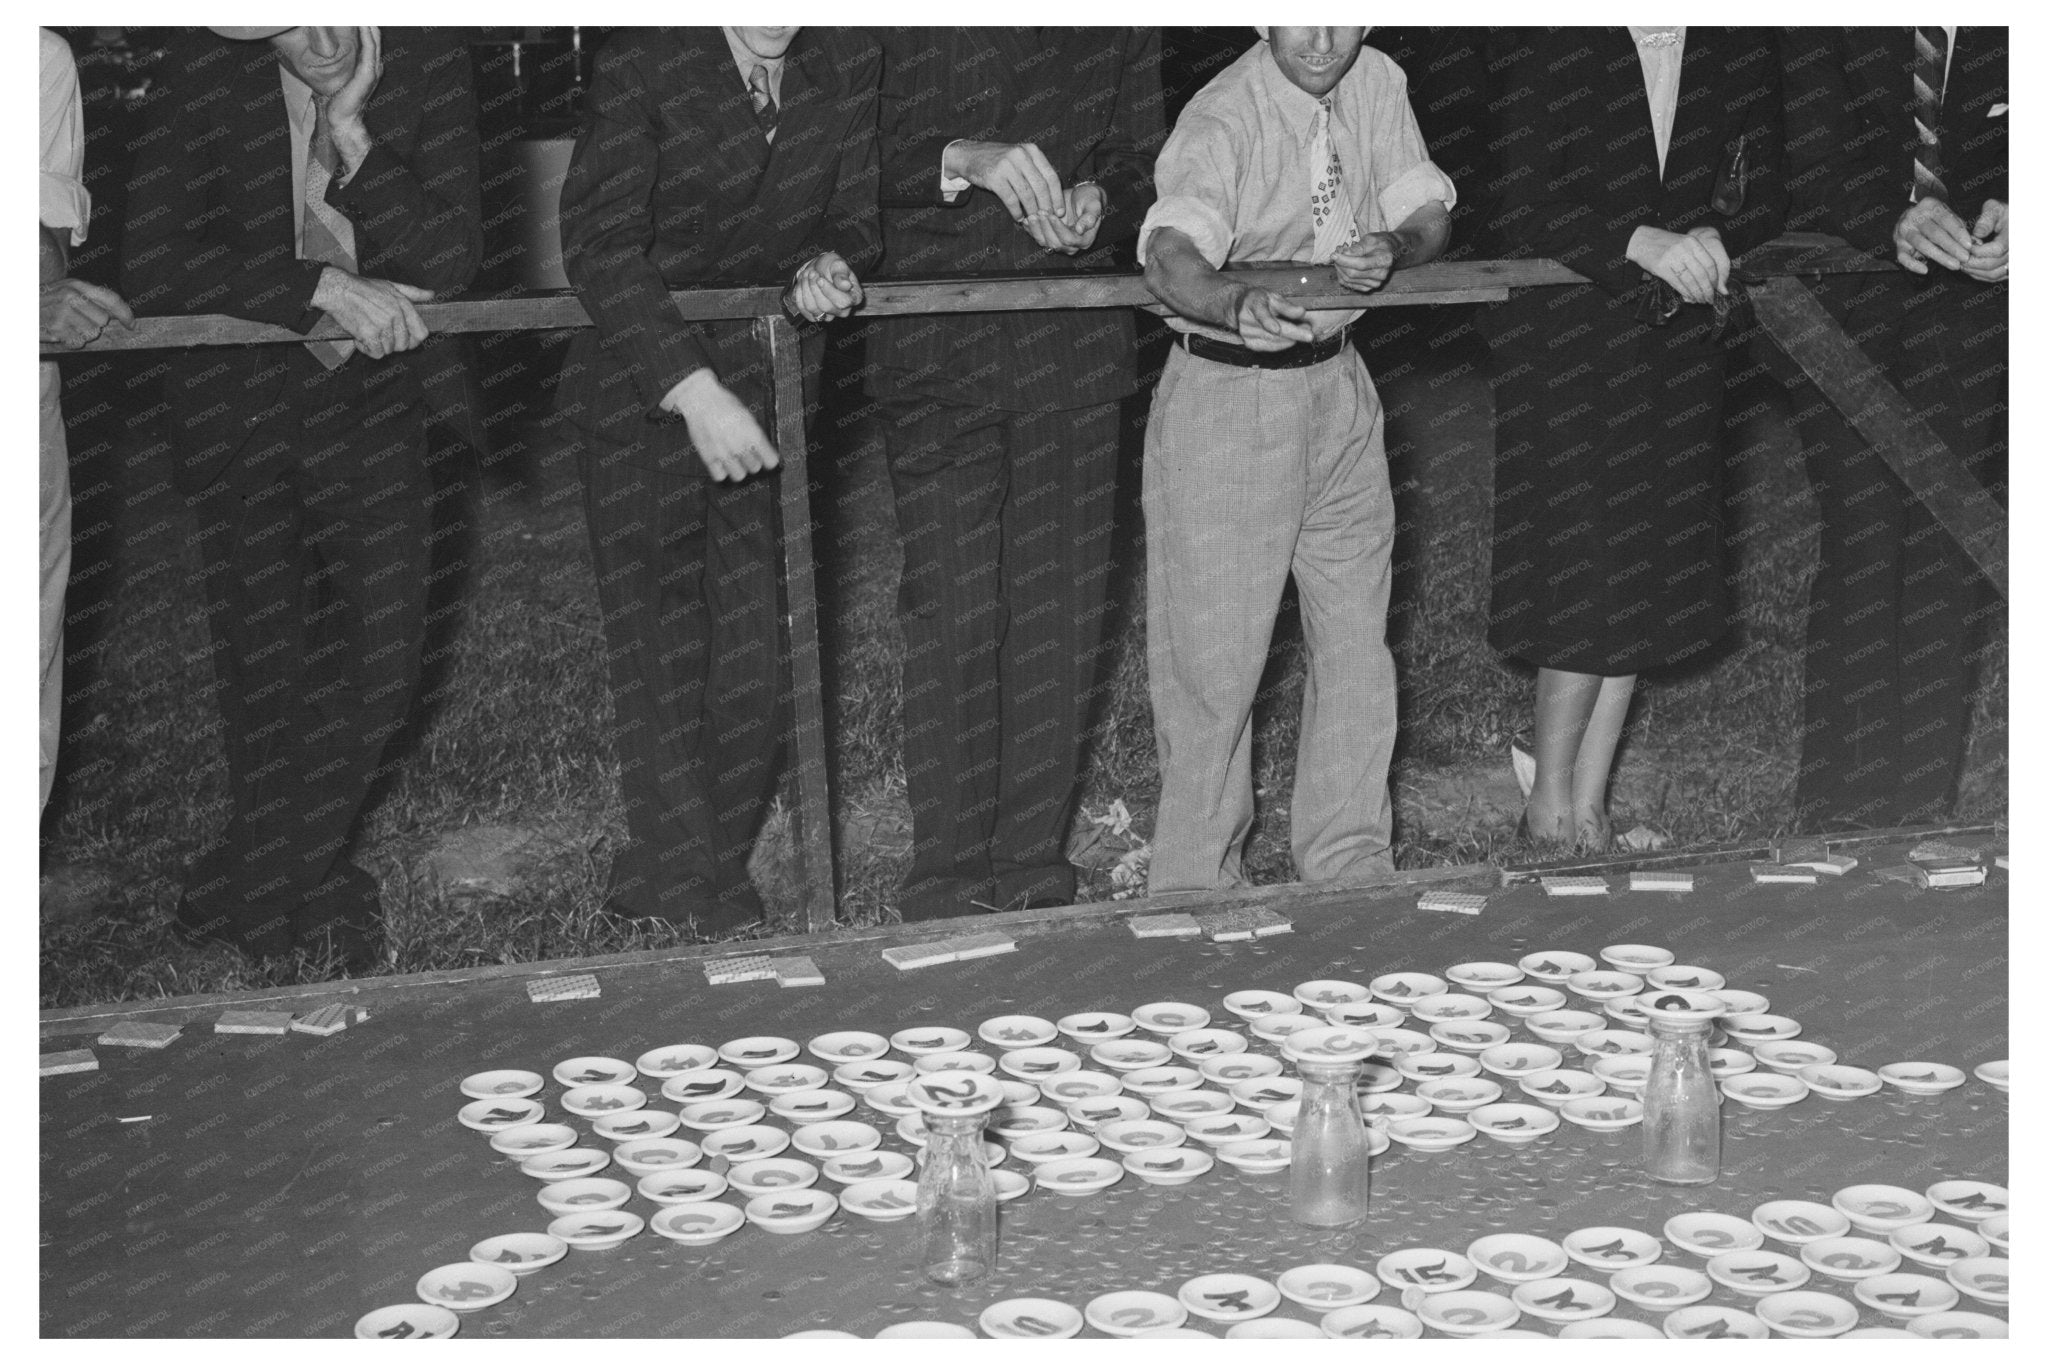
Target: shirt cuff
(66, 203)
(951, 186)
(1417, 186)
(1197, 218)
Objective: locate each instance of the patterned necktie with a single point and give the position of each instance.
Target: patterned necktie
(1930, 72)
(765, 112)
(1329, 207)
(326, 235)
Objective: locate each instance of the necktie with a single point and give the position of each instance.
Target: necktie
(765, 111)
(1930, 64)
(1330, 208)
(325, 235)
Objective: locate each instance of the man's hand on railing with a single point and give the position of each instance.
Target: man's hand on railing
(1681, 260)
(1931, 231)
(825, 288)
(377, 314)
(1991, 255)
(1268, 322)
(727, 438)
(75, 313)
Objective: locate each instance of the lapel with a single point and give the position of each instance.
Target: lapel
(717, 98)
(806, 82)
(1634, 115)
(1694, 85)
(259, 142)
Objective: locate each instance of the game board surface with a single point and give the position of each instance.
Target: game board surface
(256, 1184)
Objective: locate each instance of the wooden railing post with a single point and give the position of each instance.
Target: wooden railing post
(807, 687)
(1809, 334)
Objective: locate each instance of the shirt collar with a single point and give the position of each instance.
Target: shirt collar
(298, 97)
(746, 60)
(1296, 107)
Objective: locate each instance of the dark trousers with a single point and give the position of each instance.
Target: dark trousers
(315, 546)
(1006, 521)
(1897, 610)
(687, 579)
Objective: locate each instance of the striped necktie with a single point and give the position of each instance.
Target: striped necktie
(1336, 226)
(765, 112)
(1930, 74)
(325, 235)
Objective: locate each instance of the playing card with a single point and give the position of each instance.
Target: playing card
(562, 988)
(253, 1021)
(131, 1034)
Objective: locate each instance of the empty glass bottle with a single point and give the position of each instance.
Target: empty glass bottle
(1328, 1175)
(956, 1195)
(1681, 1098)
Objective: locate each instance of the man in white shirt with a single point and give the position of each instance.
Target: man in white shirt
(1266, 457)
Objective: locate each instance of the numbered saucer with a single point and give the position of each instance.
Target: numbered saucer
(501, 1085)
(1128, 1312)
(1097, 1026)
(1030, 1320)
(1518, 1257)
(1228, 1297)
(1807, 1313)
(594, 1071)
(1612, 1248)
(847, 1045)
(1326, 1285)
(1426, 1268)
(762, 1050)
(1660, 1286)
(1170, 1016)
(677, 1059)
(533, 1139)
(1971, 1201)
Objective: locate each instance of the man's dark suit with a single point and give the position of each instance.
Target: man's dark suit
(309, 483)
(673, 184)
(1896, 609)
(1003, 432)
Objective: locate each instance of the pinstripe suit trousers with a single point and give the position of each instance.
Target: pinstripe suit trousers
(1252, 475)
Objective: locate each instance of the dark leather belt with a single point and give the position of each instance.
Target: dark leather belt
(1295, 357)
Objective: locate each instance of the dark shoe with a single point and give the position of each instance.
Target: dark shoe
(357, 947)
(343, 918)
(270, 938)
(735, 909)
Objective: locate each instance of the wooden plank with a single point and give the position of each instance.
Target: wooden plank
(1808, 253)
(1312, 286)
(1810, 335)
(1671, 860)
(366, 991)
(807, 688)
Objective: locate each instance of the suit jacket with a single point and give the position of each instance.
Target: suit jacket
(1850, 135)
(672, 184)
(214, 167)
(1575, 173)
(1090, 99)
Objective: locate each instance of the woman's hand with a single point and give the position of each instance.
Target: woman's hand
(1682, 260)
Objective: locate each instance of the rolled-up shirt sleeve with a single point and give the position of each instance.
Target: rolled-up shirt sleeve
(1197, 177)
(1406, 177)
(66, 203)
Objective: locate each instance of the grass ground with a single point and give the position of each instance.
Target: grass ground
(515, 739)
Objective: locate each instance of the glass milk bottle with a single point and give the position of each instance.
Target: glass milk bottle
(1681, 1098)
(1328, 1174)
(956, 1194)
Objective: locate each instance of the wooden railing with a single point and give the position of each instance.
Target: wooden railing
(1787, 310)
